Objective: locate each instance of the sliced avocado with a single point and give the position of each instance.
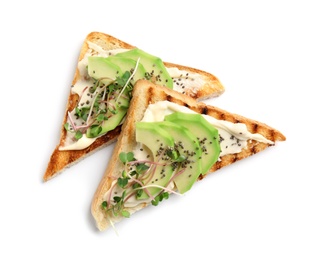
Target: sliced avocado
(206, 134)
(154, 66)
(100, 67)
(157, 140)
(107, 125)
(127, 64)
(114, 117)
(189, 165)
(107, 71)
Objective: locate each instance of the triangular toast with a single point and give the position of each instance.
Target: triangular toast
(146, 94)
(97, 44)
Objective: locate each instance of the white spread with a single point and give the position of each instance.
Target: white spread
(78, 144)
(182, 80)
(234, 138)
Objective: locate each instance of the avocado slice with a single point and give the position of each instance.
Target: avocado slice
(155, 69)
(100, 67)
(189, 161)
(127, 64)
(156, 140)
(107, 125)
(207, 135)
(113, 118)
(106, 70)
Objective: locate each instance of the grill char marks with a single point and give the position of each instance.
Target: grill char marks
(255, 127)
(150, 95)
(273, 134)
(175, 100)
(215, 112)
(205, 110)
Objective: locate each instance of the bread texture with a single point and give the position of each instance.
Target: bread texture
(146, 93)
(60, 160)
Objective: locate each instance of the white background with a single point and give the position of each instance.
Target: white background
(258, 208)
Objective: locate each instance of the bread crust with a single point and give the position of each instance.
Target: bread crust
(60, 160)
(146, 93)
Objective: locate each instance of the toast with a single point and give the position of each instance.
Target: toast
(198, 84)
(146, 95)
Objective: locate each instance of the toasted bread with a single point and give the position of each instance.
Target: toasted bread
(210, 86)
(144, 94)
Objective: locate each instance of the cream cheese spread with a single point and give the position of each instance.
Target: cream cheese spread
(184, 80)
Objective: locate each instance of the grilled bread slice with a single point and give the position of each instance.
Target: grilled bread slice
(199, 85)
(145, 94)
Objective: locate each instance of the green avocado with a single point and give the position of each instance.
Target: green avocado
(102, 68)
(154, 66)
(206, 134)
(114, 117)
(108, 70)
(188, 153)
(127, 64)
(157, 140)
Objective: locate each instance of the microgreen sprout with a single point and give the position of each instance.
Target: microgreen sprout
(126, 157)
(159, 198)
(71, 121)
(118, 208)
(101, 117)
(67, 126)
(128, 80)
(132, 179)
(122, 182)
(78, 135)
(95, 130)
